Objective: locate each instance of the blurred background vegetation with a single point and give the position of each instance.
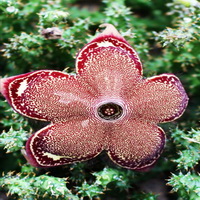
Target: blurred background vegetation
(166, 36)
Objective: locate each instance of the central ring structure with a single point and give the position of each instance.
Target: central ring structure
(110, 111)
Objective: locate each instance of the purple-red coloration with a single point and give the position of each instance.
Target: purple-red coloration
(106, 106)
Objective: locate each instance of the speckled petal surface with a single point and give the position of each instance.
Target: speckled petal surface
(109, 63)
(110, 37)
(64, 143)
(46, 95)
(135, 144)
(159, 99)
(107, 105)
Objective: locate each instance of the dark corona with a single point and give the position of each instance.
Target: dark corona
(110, 111)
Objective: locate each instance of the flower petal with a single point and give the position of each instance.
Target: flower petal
(135, 144)
(109, 72)
(109, 60)
(160, 99)
(109, 63)
(46, 95)
(64, 143)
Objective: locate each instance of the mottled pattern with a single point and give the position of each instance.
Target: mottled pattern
(106, 106)
(135, 144)
(65, 142)
(48, 95)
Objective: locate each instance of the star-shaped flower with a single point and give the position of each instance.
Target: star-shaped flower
(107, 106)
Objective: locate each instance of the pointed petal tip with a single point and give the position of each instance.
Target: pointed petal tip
(3, 90)
(24, 153)
(1, 86)
(28, 156)
(4, 86)
(109, 30)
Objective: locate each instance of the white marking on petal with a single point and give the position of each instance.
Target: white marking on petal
(67, 98)
(22, 87)
(105, 44)
(55, 157)
(85, 123)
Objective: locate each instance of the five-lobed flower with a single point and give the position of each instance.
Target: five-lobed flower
(107, 106)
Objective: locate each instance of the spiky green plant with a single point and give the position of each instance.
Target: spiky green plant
(166, 36)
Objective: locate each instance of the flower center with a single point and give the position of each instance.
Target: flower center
(110, 111)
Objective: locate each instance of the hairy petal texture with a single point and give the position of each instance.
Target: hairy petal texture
(113, 80)
(64, 143)
(109, 64)
(159, 99)
(110, 37)
(136, 144)
(46, 95)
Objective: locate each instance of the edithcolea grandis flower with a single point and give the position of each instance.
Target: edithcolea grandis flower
(107, 106)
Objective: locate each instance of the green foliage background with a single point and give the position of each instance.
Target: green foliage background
(166, 36)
